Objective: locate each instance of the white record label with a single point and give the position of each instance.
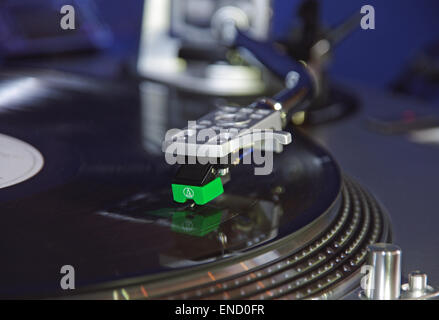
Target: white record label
(19, 161)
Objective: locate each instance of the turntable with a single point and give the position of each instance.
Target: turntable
(97, 198)
(86, 186)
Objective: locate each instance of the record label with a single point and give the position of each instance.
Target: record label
(19, 161)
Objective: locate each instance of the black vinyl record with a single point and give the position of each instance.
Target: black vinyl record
(102, 201)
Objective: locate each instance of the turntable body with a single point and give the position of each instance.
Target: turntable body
(402, 174)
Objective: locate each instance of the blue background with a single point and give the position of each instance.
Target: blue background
(373, 57)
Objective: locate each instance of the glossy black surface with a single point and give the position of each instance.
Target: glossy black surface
(102, 202)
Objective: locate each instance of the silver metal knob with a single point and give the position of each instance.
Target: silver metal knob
(418, 288)
(417, 281)
(385, 278)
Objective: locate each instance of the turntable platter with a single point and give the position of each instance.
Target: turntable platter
(102, 204)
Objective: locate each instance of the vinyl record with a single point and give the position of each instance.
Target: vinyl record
(101, 200)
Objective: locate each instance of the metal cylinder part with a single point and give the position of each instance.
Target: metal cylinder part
(385, 277)
(417, 281)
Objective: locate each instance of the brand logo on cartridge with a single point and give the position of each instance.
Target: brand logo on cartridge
(188, 193)
(19, 161)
